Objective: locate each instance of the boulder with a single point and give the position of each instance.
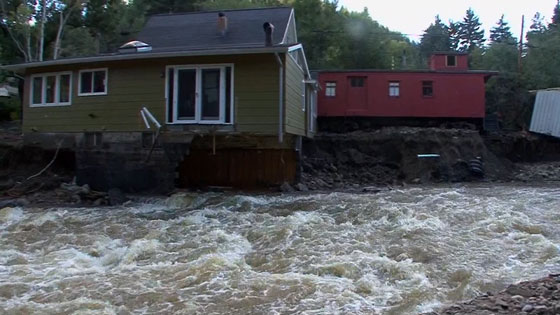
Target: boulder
(286, 187)
(6, 184)
(302, 187)
(116, 197)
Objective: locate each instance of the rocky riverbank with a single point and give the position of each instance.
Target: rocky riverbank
(540, 297)
(405, 155)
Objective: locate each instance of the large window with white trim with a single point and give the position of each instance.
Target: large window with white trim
(93, 82)
(51, 89)
(200, 94)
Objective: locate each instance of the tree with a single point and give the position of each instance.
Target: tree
(471, 34)
(537, 24)
(501, 33)
(235, 4)
(16, 17)
(171, 6)
(435, 38)
(556, 15)
(541, 67)
(65, 10)
(454, 35)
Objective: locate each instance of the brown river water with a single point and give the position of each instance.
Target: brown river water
(402, 251)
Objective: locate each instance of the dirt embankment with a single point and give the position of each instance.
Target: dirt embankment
(397, 155)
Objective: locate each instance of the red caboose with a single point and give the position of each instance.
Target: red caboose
(447, 91)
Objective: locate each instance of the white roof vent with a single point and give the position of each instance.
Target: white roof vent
(135, 46)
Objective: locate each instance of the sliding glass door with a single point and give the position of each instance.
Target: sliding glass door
(186, 94)
(201, 94)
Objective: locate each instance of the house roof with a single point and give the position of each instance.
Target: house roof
(483, 72)
(196, 34)
(450, 53)
(197, 30)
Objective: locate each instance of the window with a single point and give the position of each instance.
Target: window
(394, 88)
(93, 82)
(51, 89)
(357, 81)
(451, 61)
(200, 94)
(330, 89)
(427, 88)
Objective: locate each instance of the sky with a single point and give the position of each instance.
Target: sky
(412, 17)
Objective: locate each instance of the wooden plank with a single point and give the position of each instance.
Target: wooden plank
(238, 168)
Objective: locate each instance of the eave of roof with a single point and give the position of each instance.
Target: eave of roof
(450, 53)
(486, 72)
(150, 55)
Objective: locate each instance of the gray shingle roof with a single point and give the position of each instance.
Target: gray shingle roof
(199, 30)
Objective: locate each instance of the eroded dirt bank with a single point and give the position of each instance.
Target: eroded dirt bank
(397, 155)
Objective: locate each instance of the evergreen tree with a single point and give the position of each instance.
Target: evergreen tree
(471, 35)
(556, 15)
(454, 35)
(501, 33)
(436, 38)
(537, 25)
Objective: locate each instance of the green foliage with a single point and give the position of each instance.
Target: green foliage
(235, 4)
(470, 33)
(169, 6)
(537, 25)
(78, 42)
(501, 33)
(10, 108)
(436, 38)
(556, 16)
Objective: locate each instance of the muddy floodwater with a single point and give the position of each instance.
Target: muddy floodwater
(401, 251)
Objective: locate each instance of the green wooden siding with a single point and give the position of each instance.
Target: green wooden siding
(135, 84)
(295, 115)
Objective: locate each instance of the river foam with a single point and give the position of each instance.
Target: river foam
(400, 251)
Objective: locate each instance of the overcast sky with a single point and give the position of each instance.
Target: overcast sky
(412, 17)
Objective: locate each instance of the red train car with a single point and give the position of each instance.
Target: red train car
(448, 90)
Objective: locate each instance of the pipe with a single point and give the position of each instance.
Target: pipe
(144, 118)
(152, 118)
(280, 99)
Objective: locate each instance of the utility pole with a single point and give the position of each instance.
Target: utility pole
(520, 57)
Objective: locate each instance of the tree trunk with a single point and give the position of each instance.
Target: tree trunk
(28, 43)
(42, 29)
(56, 51)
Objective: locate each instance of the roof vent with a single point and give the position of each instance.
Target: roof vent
(135, 46)
(268, 32)
(222, 24)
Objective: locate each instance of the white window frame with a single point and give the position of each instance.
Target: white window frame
(303, 95)
(92, 82)
(43, 77)
(330, 86)
(394, 88)
(198, 91)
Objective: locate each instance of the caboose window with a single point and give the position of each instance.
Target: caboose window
(330, 89)
(394, 88)
(357, 81)
(451, 61)
(427, 88)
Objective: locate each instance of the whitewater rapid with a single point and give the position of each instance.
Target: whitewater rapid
(402, 251)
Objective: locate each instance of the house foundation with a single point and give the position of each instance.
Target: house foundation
(145, 161)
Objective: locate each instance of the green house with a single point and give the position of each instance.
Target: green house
(197, 99)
